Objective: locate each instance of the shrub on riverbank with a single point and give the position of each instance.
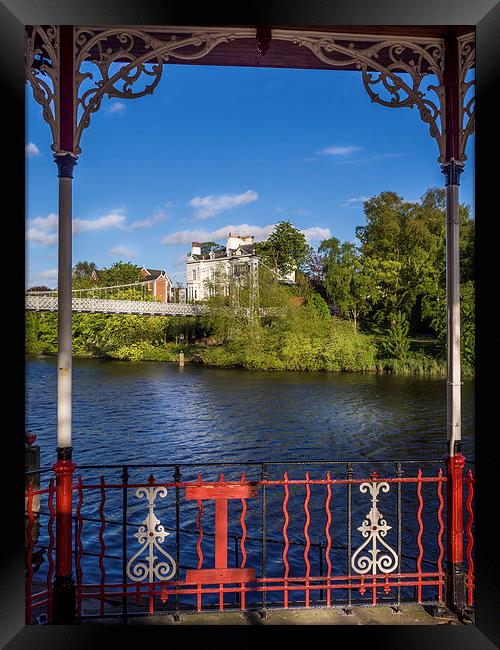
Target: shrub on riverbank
(115, 336)
(419, 364)
(144, 351)
(319, 345)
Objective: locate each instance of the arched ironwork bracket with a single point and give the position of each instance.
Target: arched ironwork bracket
(396, 83)
(396, 71)
(42, 73)
(467, 59)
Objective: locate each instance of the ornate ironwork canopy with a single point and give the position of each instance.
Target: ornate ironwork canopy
(426, 68)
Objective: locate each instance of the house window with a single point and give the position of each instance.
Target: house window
(194, 274)
(195, 294)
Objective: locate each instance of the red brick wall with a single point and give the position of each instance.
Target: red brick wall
(161, 289)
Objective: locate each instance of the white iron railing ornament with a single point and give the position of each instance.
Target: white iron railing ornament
(151, 534)
(374, 528)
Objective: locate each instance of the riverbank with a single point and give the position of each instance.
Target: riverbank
(303, 341)
(417, 364)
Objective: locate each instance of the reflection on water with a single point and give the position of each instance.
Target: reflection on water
(159, 413)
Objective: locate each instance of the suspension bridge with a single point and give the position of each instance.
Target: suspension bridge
(135, 298)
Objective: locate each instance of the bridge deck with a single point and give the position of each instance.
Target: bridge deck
(35, 302)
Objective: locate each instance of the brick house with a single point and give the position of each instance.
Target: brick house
(161, 287)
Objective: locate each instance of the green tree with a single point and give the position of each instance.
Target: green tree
(84, 270)
(397, 343)
(208, 247)
(120, 273)
(318, 303)
(403, 248)
(83, 275)
(434, 308)
(347, 285)
(285, 249)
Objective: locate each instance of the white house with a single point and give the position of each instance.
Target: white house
(238, 258)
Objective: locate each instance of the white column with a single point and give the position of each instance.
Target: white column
(65, 164)
(453, 397)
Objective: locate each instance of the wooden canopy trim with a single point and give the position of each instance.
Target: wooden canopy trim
(242, 50)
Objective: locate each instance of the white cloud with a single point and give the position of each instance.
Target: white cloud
(49, 276)
(32, 150)
(354, 201)
(180, 263)
(368, 159)
(111, 220)
(40, 237)
(209, 206)
(157, 217)
(188, 236)
(122, 251)
(338, 150)
(46, 223)
(43, 230)
(117, 107)
(315, 233)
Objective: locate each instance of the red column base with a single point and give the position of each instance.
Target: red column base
(456, 578)
(64, 605)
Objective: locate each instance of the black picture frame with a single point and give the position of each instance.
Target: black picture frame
(485, 15)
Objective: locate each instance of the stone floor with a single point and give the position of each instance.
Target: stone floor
(381, 615)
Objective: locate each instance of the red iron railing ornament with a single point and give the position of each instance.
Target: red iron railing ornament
(221, 492)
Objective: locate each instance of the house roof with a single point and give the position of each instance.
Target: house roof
(153, 274)
(246, 249)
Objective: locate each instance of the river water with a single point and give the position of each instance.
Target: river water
(142, 413)
(160, 413)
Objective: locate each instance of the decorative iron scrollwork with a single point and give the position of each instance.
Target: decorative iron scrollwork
(42, 72)
(401, 57)
(467, 57)
(150, 535)
(396, 71)
(374, 529)
(124, 79)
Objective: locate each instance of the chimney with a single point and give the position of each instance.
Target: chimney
(235, 241)
(195, 248)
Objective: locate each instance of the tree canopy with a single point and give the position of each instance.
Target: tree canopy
(208, 247)
(397, 274)
(285, 249)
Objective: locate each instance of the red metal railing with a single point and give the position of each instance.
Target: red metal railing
(470, 539)
(39, 594)
(380, 536)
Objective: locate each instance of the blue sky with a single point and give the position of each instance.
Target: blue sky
(225, 148)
